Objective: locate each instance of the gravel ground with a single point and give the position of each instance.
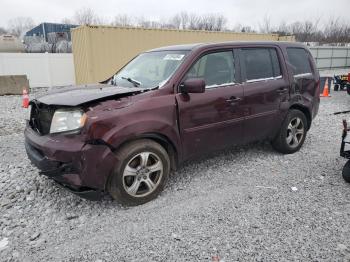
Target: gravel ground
(244, 204)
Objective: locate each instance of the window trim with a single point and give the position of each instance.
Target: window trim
(303, 75)
(221, 85)
(264, 79)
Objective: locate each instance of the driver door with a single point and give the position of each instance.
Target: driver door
(214, 119)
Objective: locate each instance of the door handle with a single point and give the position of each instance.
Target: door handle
(233, 100)
(282, 90)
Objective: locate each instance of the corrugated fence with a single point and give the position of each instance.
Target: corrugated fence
(329, 57)
(100, 51)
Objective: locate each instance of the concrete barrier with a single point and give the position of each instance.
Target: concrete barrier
(13, 84)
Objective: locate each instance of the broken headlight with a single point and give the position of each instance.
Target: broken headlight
(67, 120)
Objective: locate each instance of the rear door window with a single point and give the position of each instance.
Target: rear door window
(299, 59)
(260, 63)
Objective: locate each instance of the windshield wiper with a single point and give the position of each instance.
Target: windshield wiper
(133, 81)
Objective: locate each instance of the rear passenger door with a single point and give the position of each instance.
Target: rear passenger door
(265, 86)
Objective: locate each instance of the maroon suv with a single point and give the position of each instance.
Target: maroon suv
(167, 105)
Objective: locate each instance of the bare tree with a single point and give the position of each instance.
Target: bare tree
(20, 25)
(309, 29)
(180, 21)
(247, 29)
(143, 22)
(86, 16)
(346, 34)
(283, 29)
(209, 22)
(265, 26)
(123, 20)
(296, 28)
(220, 22)
(184, 20)
(336, 31)
(176, 21)
(206, 22)
(304, 31)
(194, 22)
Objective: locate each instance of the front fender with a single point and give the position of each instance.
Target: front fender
(154, 115)
(121, 134)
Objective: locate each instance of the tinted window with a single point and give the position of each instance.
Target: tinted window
(261, 63)
(299, 59)
(215, 68)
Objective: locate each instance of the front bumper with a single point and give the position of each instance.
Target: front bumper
(77, 166)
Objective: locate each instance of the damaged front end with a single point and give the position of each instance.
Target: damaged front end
(78, 166)
(58, 144)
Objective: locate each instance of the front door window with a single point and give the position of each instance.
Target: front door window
(216, 69)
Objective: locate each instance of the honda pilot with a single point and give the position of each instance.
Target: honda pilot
(125, 135)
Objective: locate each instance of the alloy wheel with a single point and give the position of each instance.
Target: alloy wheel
(142, 174)
(295, 132)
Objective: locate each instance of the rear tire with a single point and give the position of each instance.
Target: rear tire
(141, 173)
(292, 133)
(348, 89)
(346, 172)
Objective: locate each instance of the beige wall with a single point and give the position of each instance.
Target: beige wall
(99, 51)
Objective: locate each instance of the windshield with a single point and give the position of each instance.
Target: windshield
(149, 70)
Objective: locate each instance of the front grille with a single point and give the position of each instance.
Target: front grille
(41, 117)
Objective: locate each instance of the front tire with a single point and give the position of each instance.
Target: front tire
(346, 172)
(336, 87)
(141, 173)
(292, 134)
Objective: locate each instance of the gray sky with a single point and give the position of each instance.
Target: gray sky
(237, 11)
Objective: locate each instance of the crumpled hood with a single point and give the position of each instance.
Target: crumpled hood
(78, 95)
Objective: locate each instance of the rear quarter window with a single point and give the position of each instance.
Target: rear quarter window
(299, 59)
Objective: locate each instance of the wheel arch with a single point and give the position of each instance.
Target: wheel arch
(164, 141)
(305, 111)
(161, 139)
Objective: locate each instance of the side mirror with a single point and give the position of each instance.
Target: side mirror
(193, 85)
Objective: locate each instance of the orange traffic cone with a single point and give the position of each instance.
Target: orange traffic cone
(25, 98)
(325, 90)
